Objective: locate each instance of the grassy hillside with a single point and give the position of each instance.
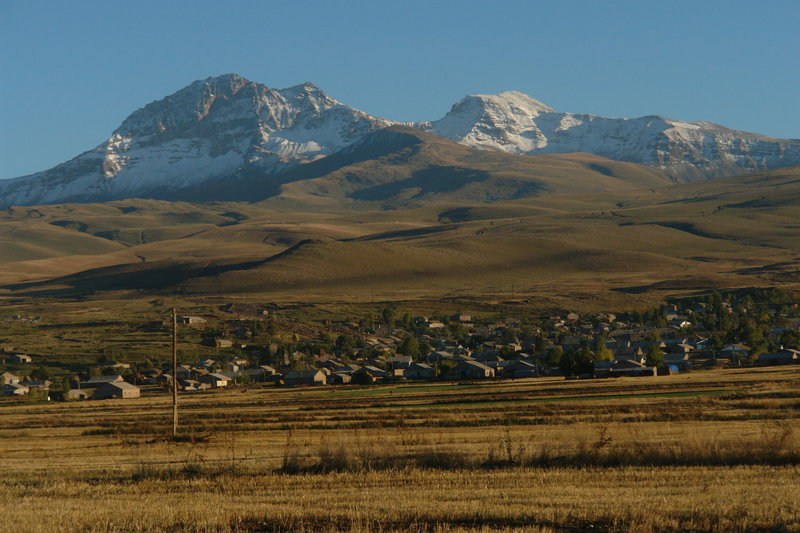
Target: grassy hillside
(657, 240)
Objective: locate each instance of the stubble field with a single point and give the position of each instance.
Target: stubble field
(714, 450)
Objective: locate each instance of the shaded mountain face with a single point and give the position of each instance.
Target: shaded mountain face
(227, 131)
(401, 167)
(516, 123)
(211, 129)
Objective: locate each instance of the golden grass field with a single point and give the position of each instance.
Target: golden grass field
(592, 251)
(702, 451)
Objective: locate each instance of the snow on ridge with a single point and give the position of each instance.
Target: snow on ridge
(219, 126)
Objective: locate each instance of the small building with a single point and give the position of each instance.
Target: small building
(192, 384)
(113, 364)
(223, 343)
(339, 378)
(14, 389)
(76, 395)
(419, 371)
(470, 370)
(21, 358)
(41, 384)
(96, 381)
(116, 389)
(8, 377)
(215, 380)
(783, 357)
(602, 369)
(399, 361)
(191, 320)
(632, 369)
(521, 369)
(305, 377)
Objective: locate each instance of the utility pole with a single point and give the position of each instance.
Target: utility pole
(174, 373)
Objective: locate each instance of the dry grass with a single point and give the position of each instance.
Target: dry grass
(697, 452)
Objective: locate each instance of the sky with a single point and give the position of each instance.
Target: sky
(70, 72)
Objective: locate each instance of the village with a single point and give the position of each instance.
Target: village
(252, 349)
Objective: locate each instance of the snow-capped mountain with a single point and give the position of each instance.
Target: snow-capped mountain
(210, 130)
(229, 127)
(514, 122)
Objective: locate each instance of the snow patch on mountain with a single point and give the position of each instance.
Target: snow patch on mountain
(228, 126)
(515, 123)
(209, 130)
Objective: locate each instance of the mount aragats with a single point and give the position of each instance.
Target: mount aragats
(228, 186)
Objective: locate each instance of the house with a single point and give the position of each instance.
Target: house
(192, 384)
(400, 361)
(76, 395)
(602, 369)
(419, 371)
(8, 377)
(187, 372)
(339, 378)
(521, 369)
(630, 353)
(113, 364)
(116, 389)
(368, 374)
(470, 370)
(21, 358)
(96, 381)
(735, 351)
(215, 380)
(783, 357)
(14, 389)
(42, 384)
(259, 373)
(191, 320)
(632, 368)
(680, 361)
(239, 361)
(305, 377)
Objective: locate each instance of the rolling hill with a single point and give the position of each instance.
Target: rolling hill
(620, 247)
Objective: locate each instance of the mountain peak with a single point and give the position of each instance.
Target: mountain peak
(517, 99)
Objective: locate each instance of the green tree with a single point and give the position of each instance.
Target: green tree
(554, 356)
(389, 315)
(566, 364)
(40, 373)
(654, 357)
(409, 347)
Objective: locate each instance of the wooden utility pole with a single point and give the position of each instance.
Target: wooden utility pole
(174, 373)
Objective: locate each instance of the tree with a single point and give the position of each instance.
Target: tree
(566, 364)
(654, 357)
(389, 315)
(409, 347)
(40, 373)
(554, 356)
(445, 367)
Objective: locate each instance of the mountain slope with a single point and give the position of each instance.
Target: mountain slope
(516, 123)
(399, 167)
(211, 129)
(229, 130)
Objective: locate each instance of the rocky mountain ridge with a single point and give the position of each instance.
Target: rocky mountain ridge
(229, 127)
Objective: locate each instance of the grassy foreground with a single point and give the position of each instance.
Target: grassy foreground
(715, 450)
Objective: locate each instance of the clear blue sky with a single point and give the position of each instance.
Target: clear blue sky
(70, 72)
